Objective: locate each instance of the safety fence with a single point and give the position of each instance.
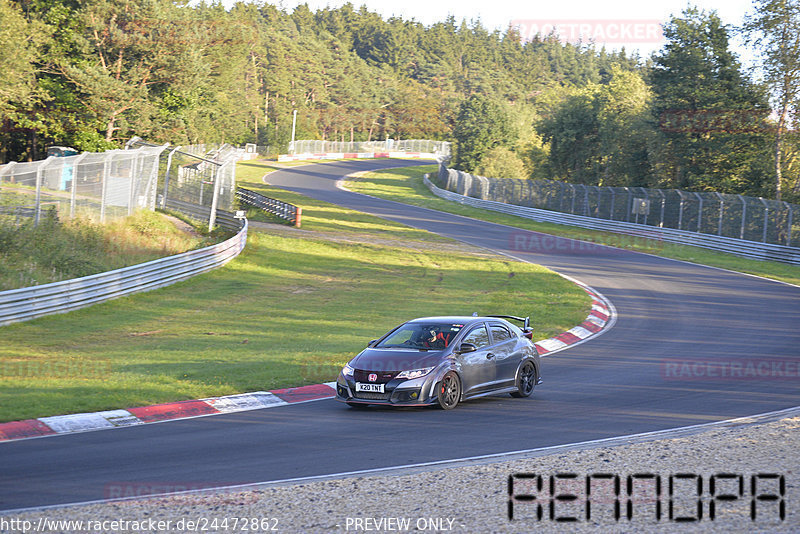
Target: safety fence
(750, 249)
(31, 302)
(282, 210)
(107, 185)
(719, 214)
(100, 186)
(441, 148)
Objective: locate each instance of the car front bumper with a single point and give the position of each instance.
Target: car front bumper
(397, 392)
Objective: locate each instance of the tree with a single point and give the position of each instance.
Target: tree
(501, 162)
(711, 115)
(18, 52)
(774, 28)
(481, 125)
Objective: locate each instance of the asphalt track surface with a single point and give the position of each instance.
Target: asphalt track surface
(616, 384)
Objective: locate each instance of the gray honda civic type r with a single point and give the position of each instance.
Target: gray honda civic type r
(443, 361)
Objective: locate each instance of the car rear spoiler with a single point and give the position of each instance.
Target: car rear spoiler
(526, 322)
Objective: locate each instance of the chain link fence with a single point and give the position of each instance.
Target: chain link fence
(100, 186)
(724, 215)
(104, 186)
(441, 148)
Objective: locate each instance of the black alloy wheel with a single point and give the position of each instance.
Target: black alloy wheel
(525, 381)
(449, 391)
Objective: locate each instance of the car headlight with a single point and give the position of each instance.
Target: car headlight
(416, 373)
(347, 370)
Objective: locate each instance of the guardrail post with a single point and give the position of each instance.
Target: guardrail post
(699, 212)
(104, 185)
(132, 187)
(73, 193)
(680, 209)
(166, 177)
(39, 177)
(212, 219)
(744, 215)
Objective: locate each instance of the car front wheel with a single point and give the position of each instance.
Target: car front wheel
(525, 381)
(449, 391)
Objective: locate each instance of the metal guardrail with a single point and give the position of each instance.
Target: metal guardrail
(284, 210)
(224, 219)
(31, 302)
(740, 247)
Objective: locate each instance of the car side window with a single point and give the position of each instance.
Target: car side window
(478, 337)
(500, 333)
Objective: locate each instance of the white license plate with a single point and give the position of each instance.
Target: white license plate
(372, 388)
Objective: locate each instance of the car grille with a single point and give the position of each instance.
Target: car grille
(383, 377)
(372, 396)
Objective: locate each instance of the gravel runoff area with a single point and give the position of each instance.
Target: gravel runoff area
(474, 497)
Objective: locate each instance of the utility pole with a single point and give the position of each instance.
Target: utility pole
(294, 124)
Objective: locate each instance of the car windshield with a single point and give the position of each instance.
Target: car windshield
(422, 336)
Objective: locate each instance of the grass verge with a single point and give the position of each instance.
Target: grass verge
(54, 250)
(405, 185)
(290, 310)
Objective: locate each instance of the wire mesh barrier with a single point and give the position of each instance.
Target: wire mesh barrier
(207, 180)
(112, 184)
(100, 186)
(441, 148)
(475, 191)
(283, 210)
(719, 214)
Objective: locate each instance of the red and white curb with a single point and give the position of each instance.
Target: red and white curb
(84, 422)
(354, 155)
(599, 319)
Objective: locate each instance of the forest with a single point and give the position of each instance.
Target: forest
(91, 74)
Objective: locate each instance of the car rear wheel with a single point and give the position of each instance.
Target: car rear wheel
(449, 391)
(525, 381)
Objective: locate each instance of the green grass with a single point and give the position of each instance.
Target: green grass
(56, 250)
(405, 185)
(290, 310)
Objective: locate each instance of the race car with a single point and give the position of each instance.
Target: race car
(443, 361)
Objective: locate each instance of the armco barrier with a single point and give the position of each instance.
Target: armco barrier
(31, 302)
(283, 210)
(740, 247)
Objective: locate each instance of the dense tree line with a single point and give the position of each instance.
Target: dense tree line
(92, 73)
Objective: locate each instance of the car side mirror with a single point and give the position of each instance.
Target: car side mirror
(466, 347)
(372, 343)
